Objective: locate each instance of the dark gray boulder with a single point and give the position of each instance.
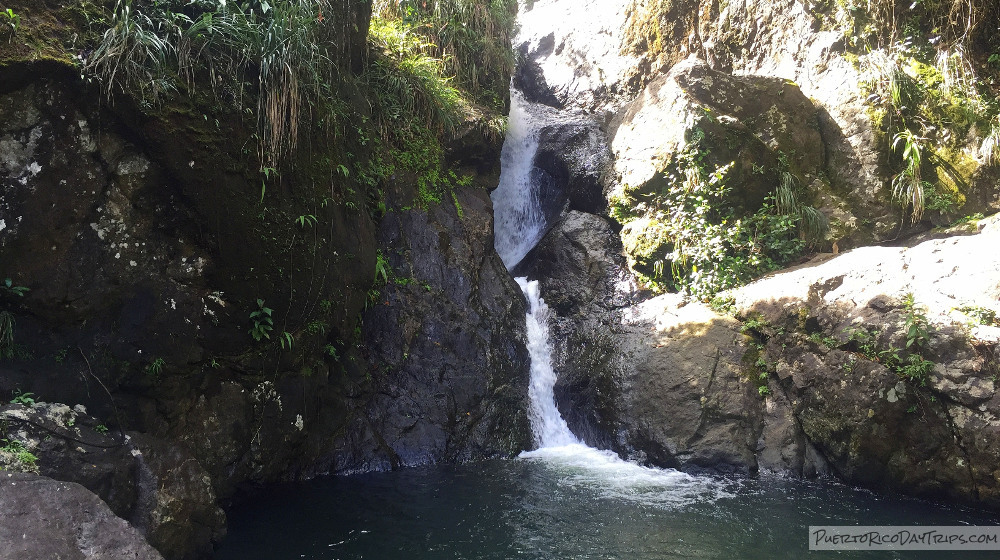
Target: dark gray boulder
(446, 335)
(69, 448)
(576, 153)
(44, 519)
(585, 282)
(176, 507)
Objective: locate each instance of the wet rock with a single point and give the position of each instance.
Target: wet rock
(575, 154)
(71, 446)
(580, 266)
(584, 280)
(45, 519)
(176, 508)
(446, 335)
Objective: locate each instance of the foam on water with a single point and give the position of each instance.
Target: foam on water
(580, 465)
(612, 477)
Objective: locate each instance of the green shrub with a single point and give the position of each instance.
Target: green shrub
(689, 236)
(471, 40)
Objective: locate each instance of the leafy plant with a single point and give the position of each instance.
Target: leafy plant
(982, 315)
(784, 194)
(907, 185)
(154, 51)
(471, 38)
(306, 220)
(27, 399)
(915, 325)
(267, 172)
(101, 429)
(155, 367)
(262, 321)
(725, 305)
(16, 456)
(916, 369)
(382, 269)
(286, 339)
(9, 288)
(316, 327)
(12, 20)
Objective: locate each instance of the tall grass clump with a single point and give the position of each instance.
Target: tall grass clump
(930, 91)
(409, 84)
(280, 47)
(471, 38)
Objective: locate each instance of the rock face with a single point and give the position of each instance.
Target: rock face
(687, 401)
(630, 64)
(751, 129)
(45, 519)
(446, 333)
(572, 54)
(151, 249)
(815, 380)
(574, 152)
(175, 507)
(585, 282)
(157, 485)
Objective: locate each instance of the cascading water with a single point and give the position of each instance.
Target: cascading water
(519, 222)
(519, 225)
(549, 428)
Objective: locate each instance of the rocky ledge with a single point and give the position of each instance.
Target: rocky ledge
(877, 366)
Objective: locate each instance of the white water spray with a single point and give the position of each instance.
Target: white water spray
(547, 424)
(519, 222)
(579, 463)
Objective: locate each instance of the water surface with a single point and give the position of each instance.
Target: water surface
(544, 507)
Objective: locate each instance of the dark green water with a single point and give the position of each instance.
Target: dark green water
(543, 509)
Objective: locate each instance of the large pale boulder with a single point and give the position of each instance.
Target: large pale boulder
(807, 380)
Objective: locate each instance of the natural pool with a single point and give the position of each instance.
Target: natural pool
(567, 504)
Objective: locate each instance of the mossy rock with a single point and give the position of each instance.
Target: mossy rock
(49, 31)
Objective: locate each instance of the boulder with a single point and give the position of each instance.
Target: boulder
(157, 485)
(176, 508)
(571, 54)
(71, 446)
(812, 377)
(574, 152)
(45, 519)
(585, 281)
(688, 402)
(446, 335)
(580, 266)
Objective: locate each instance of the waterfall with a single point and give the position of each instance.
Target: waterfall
(519, 225)
(547, 424)
(519, 221)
